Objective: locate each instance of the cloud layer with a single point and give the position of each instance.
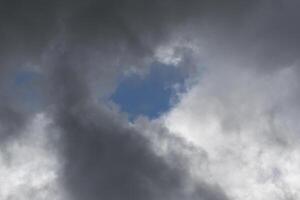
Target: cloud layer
(232, 135)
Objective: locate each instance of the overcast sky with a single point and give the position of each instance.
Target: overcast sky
(149, 100)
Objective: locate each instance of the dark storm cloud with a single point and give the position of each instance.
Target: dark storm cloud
(102, 157)
(266, 31)
(106, 161)
(11, 121)
(264, 36)
(27, 28)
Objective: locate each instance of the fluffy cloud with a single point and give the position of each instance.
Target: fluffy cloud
(29, 164)
(245, 122)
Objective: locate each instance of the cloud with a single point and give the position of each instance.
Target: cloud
(29, 165)
(241, 114)
(245, 122)
(105, 158)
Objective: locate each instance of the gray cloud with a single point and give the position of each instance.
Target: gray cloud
(82, 46)
(11, 120)
(104, 158)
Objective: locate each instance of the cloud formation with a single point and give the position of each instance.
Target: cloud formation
(237, 117)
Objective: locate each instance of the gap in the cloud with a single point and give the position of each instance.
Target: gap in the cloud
(24, 88)
(150, 94)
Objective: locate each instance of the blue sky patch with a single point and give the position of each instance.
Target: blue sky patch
(26, 89)
(149, 94)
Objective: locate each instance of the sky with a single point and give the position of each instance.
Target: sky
(149, 94)
(149, 100)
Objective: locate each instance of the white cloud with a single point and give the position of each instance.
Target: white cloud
(246, 123)
(167, 55)
(29, 166)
